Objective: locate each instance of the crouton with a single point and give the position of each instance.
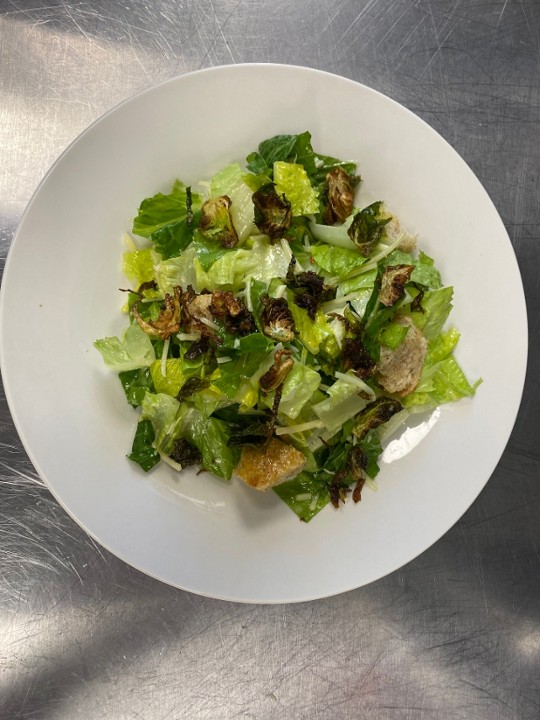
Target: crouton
(267, 466)
(393, 231)
(400, 369)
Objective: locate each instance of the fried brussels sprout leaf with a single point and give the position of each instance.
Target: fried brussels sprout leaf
(367, 227)
(310, 288)
(275, 376)
(234, 314)
(276, 319)
(356, 357)
(375, 414)
(216, 221)
(339, 195)
(190, 387)
(185, 454)
(393, 282)
(272, 212)
(168, 322)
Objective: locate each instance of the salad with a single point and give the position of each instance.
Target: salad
(277, 331)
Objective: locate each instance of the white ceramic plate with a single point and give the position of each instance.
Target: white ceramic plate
(60, 293)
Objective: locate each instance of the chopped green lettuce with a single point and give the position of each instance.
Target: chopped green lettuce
(393, 334)
(342, 403)
(135, 384)
(230, 181)
(167, 417)
(262, 262)
(311, 333)
(172, 381)
(161, 210)
(295, 149)
(142, 451)
(442, 379)
(170, 240)
(424, 273)
(138, 266)
(337, 261)
(335, 235)
(292, 181)
(298, 389)
(437, 305)
(306, 495)
(178, 271)
(211, 437)
(134, 351)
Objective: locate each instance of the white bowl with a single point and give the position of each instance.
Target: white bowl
(60, 292)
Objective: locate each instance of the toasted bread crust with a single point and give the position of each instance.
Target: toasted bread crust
(265, 467)
(400, 369)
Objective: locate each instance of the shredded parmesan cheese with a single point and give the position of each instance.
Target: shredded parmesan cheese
(164, 357)
(293, 429)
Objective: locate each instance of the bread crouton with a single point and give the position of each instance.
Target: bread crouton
(267, 466)
(394, 230)
(400, 369)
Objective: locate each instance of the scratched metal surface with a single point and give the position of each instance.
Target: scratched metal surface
(456, 633)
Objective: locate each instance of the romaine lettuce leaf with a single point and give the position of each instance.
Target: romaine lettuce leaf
(174, 377)
(371, 445)
(166, 415)
(393, 335)
(298, 389)
(138, 266)
(234, 373)
(424, 273)
(177, 271)
(171, 240)
(256, 290)
(142, 451)
(230, 181)
(134, 351)
(135, 384)
(310, 333)
(305, 495)
(437, 305)
(263, 262)
(279, 147)
(292, 181)
(336, 260)
(208, 251)
(295, 149)
(161, 210)
(441, 346)
(361, 282)
(335, 235)
(442, 382)
(211, 436)
(342, 404)
(442, 378)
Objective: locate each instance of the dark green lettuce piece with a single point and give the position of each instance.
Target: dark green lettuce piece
(161, 210)
(424, 273)
(172, 239)
(135, 384)
(295, 149)
(142, 451)
(211, 437)
(305, 495)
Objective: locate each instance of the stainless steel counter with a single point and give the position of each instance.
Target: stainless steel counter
(454, 634)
